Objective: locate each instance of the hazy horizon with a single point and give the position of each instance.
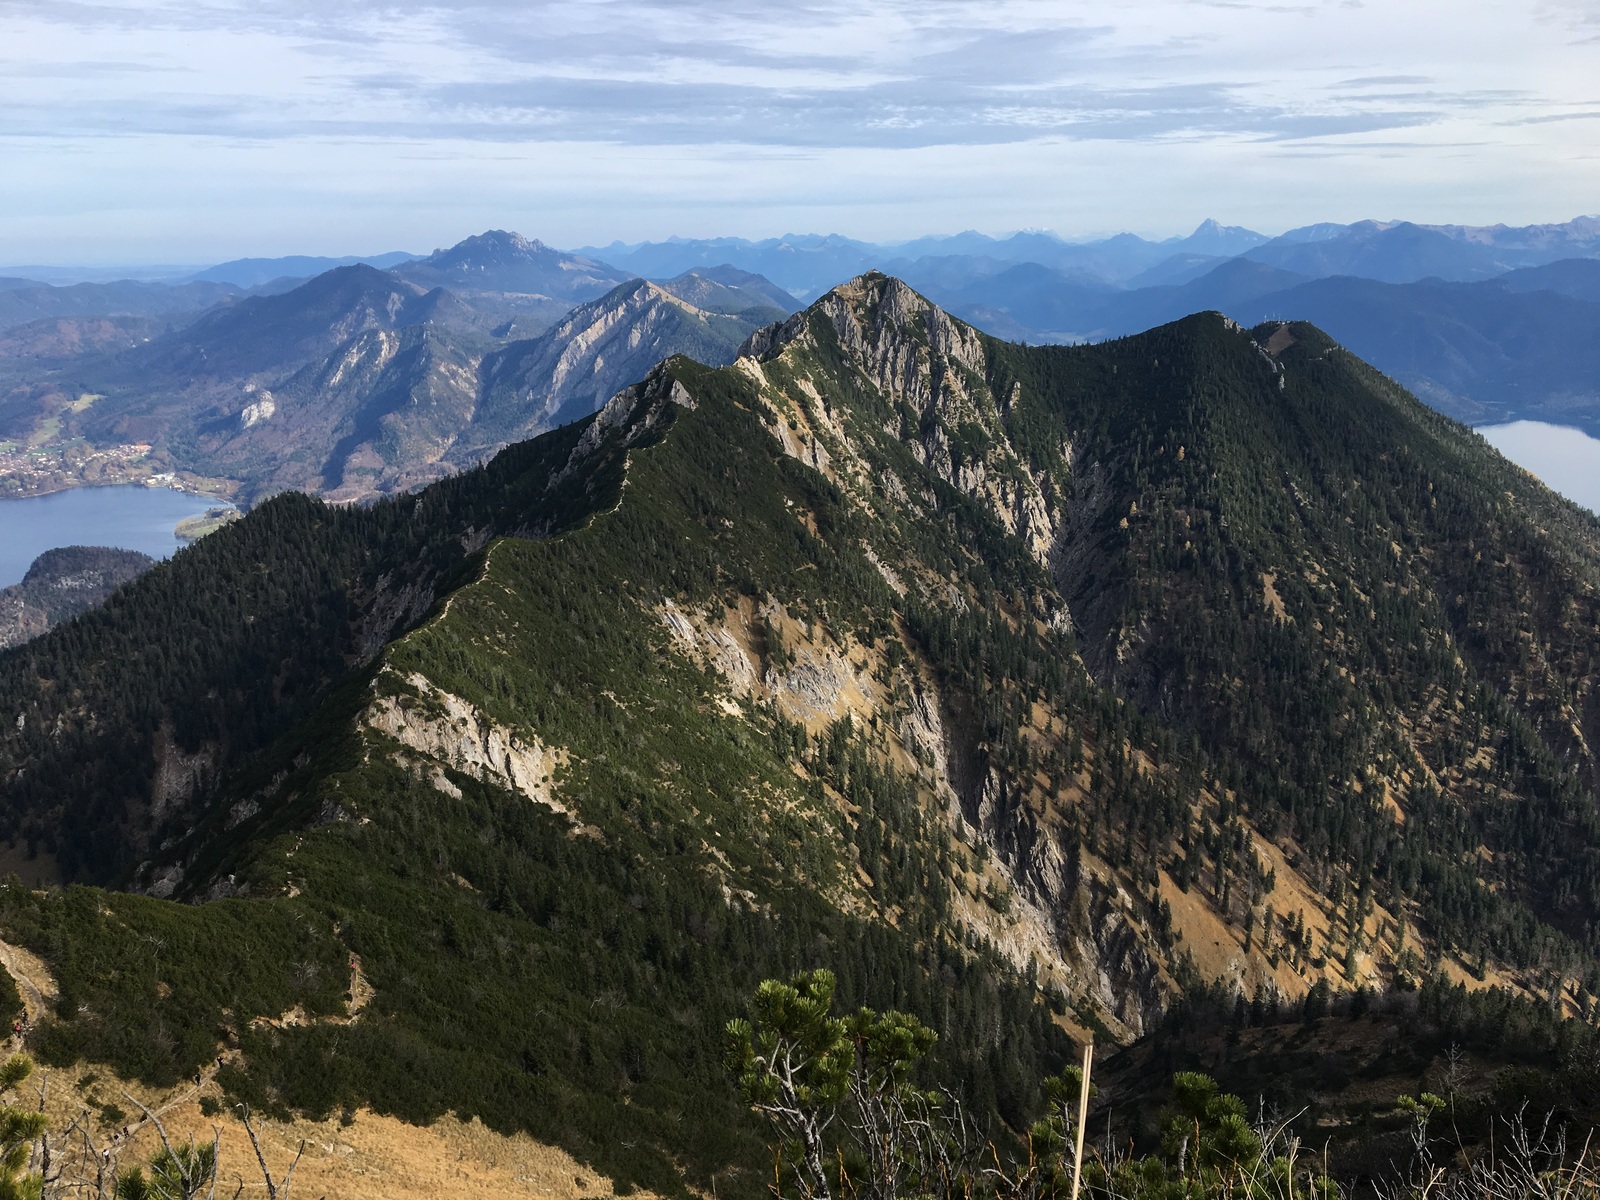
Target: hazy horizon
(102, 269)
(600, 243)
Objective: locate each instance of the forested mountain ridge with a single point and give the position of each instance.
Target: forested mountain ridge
(1288, 560)
(225, 647)
(1516, 346)
(26, 301)
(1018, 685)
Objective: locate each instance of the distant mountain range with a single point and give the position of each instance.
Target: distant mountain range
(1392, 251)
(498, 261)
(1488, 323)
(1522, 345)
(364, 380)
(1480, 352)
(23, 301)
(804, 264)
(807, 264)
(252, 272)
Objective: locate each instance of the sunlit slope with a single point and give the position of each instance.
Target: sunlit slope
(1348, 605)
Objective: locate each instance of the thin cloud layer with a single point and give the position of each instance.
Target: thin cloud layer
(624, 77)
(893, 75)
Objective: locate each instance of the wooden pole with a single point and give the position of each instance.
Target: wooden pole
(1083, 1118)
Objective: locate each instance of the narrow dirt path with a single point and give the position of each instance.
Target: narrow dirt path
(33, 978)
(191, 1091)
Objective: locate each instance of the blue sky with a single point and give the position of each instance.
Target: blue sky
(204, 129)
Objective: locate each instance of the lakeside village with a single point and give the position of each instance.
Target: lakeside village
(28, 471)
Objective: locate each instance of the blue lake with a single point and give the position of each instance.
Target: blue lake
(130, 517)
(1567, 460)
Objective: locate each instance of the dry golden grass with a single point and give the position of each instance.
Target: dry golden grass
(374, 1157)
(382, 1157)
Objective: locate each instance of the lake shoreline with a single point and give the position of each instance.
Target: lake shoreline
(29, 471)
(127, 516)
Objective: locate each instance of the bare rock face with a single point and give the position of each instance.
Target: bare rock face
(179, 774)
(916, 354)
(1126, 978)
(444, 730)
(593, 352)
(1065, 913)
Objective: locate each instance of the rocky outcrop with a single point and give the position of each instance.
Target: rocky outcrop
(1123, 975)
(814, 683)
(260, 408)
(716, 647)
(445, 731)
(917, 355)
(179, 774)
(631, 416)
(392, 605)
(365, 354)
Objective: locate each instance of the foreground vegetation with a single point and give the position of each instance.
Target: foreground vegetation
(84, 1159)
(853, 1120)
